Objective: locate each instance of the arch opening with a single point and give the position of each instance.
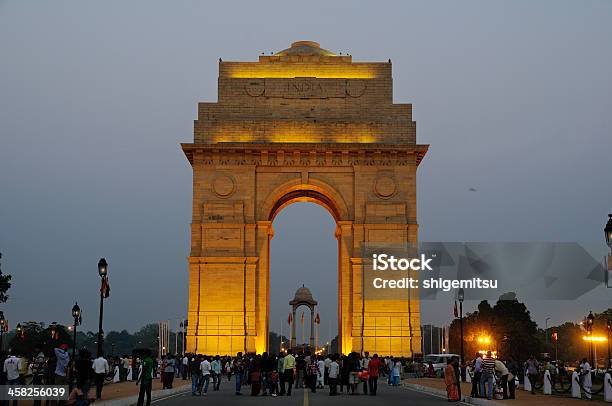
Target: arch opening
(304, 251)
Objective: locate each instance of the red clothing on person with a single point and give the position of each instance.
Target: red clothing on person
(374, 367)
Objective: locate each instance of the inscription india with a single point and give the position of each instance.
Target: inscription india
(305, 88)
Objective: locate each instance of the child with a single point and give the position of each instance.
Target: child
(274, 387)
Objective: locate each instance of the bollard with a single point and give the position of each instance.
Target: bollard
(608, 387)
(547, 385)
(527, 383)
(575, 386)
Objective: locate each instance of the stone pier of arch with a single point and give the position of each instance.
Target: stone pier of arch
(300, 125)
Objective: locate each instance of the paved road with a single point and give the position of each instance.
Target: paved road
(387, 396)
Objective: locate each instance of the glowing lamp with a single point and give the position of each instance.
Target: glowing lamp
(102, 267)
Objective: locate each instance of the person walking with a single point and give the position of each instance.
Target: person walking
(327, 363)
(502, 371)
(477, 376)
(365, 361)
(374, 366)
(532, 368)
(266, 371)
(168, 371)
(205, 367)
(300, 369)
(280, 368)
(196, 375)
(289, 370)
(38, 365)
(450, 379)
(216, 372)
(185, 367)
(61, 367)
(12, 365)
(321, 375)
(238, 370)
(513, 369)
(312, 372)
(585, 378)
(345, 372)
(83, 370)
(145, 378)
(487, 377)
(100, 368)
(395, 372)
(333, 374)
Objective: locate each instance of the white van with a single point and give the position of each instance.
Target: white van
(439, 361)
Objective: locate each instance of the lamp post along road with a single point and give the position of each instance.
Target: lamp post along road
(76, 315)
(608, 234)
(589, 328)
(2, 324)
(102, 271)
(609, 326)
(461, 297)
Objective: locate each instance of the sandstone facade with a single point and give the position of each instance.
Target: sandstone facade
(301, 125)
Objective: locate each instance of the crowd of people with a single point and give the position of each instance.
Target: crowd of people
(278, 374)
(494, 378)
(56, 368)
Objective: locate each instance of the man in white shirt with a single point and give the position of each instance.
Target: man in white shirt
(328, 362)
(12, 365)
(185, 367)
(205, 367)
(334, 371)
(320, 377)
(100, 368)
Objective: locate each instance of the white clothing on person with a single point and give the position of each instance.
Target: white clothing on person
(100, 366)
(205, 367)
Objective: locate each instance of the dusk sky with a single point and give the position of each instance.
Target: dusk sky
(515, 99)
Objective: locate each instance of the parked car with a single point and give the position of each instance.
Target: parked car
(439, 361)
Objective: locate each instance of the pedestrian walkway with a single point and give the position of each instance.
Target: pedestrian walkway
(126, 389)
(122, 393)
(522, 398)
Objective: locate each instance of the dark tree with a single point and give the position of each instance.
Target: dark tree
(5, 284)
(37, 335)
(508, 324)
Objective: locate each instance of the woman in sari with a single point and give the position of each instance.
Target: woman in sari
(450, 379)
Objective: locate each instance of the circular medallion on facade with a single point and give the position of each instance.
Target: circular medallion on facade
(223, 186)
(384, 187)
(255, 88)
(355, 88)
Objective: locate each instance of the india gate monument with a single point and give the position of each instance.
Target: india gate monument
(303, 124)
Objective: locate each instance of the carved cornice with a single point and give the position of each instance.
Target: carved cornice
(305, 154)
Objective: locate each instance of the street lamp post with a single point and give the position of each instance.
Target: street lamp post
(19, 331)
(609, 325)
(182, 339)
(546, 333)
(3, 323)
(461, 297)
(76, 315)
(608, 231)
(102, 271)
(608, 234)
(589, 328)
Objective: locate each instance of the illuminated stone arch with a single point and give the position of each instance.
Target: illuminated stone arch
(296, 190)
(301, 125)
